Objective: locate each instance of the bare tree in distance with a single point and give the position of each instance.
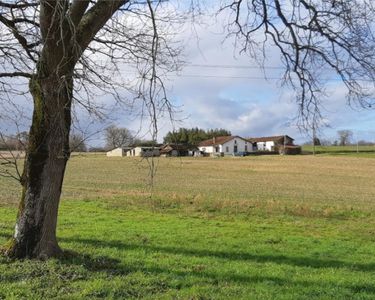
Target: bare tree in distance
(345, 137)
(64, 52)
(77, 142)
(12, 149)
(117, 137)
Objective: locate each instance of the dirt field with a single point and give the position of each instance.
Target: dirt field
(12, 154)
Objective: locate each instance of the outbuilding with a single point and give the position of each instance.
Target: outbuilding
(271, 143)
(178, 150)
(144, 151)
(118, 152)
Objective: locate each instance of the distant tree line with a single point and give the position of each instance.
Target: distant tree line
(344, 138)
(122, 137)
(193, 136)
(19, 142)
(14, 142)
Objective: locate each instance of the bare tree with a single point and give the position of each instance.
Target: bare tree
(344, 137)
(77, 142)
(11, 152)
(314, 38)
(117, 137)
(14, 142)
(64, 51)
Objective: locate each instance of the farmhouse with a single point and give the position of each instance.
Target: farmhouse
(144, 151)
(271, 143)
(178, 150)
(216, 146)
(226, 145)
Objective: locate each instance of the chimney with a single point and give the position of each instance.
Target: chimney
(214, 140)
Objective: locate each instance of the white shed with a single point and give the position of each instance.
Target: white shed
(144, 151)
(117, 152)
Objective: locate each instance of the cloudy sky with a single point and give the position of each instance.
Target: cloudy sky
(218, 88)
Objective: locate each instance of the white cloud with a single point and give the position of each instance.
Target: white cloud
(237, 99)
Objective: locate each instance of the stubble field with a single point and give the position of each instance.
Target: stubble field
(266, 227)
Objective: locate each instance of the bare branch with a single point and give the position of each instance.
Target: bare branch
(309, 35)
(16, 74)
(95, 19)
(19, 5)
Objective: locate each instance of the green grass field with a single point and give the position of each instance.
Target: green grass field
(350, 150)
(266, 227)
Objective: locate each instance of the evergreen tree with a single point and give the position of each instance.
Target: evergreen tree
(193, 136)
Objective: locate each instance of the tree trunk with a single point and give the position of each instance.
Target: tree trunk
(47, 155)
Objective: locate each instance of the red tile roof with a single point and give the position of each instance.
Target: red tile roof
(276, 138)
(219, 140)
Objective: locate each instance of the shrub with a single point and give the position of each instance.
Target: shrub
(290, 150)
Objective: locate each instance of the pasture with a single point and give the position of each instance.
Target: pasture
(349, 150)
(265, 227)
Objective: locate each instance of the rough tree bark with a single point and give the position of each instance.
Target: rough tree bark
(47, 155)
(66, 32)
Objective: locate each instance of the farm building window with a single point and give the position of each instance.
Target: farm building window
(245, 148)
(235, 149)
(226, 149)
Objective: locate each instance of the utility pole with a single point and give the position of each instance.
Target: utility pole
(314, 137)
(357, 144)
(284, 144)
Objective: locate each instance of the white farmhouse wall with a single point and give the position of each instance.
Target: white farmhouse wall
(206, 149)
(135, 151)
(242, 146)
(270, 146)
(266, 146)
(228, 147)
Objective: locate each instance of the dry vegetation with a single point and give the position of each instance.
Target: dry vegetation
(304, 185)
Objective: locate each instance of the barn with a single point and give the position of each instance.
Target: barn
(178, 150)
(144, 151)
(271, 143)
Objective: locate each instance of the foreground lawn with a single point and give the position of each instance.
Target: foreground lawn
(251, 228)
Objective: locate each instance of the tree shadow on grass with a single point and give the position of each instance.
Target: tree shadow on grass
(114, 267)
(5, 235)
(174, 278)
(234, 256)
(299, 261)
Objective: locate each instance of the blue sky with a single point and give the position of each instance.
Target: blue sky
(218, 88)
